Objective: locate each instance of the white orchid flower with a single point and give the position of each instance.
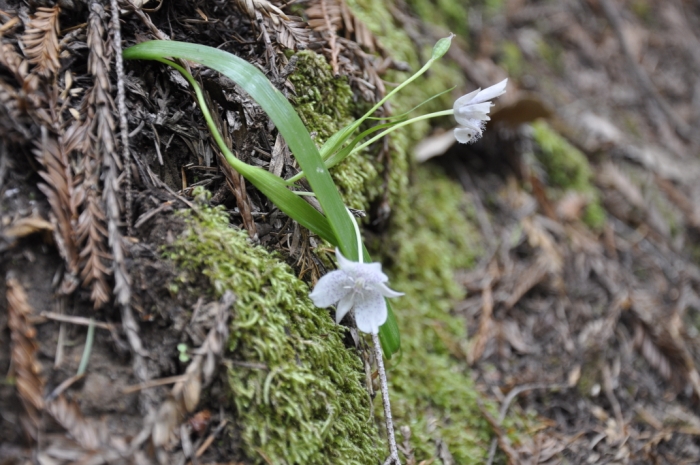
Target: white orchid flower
(472, 111)
(358, 286)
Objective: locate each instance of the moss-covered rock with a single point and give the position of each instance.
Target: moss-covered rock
(299, 396)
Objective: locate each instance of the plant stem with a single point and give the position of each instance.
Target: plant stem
(393, 451)
(400, 125)
(397, 89)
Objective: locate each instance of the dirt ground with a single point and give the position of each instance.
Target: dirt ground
(583, 309)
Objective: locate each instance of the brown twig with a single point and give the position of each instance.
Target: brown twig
(121, 107)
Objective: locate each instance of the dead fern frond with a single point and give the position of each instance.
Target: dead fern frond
(325, 16)
(58, 189)
(645, 345)
(261, 6)
(186, 393)
(334, 23)
(25, 366)
(292, 34)
(14, 62)
(358, 30)
(92, 235)
(97, 228)
(69, 416)
(40, 39)
(12, 120)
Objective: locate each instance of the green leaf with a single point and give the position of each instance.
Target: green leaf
(273, 187)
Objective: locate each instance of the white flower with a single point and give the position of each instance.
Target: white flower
(358, 286)
(472, 111)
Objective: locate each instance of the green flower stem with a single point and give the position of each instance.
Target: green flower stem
(333, 144)
(395, 127)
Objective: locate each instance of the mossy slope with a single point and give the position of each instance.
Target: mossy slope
(325, 104)
(308, 405)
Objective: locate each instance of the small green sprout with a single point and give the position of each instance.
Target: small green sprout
(183, 351)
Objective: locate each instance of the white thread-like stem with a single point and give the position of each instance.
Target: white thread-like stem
(393, 451)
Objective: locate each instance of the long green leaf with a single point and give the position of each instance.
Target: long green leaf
(272, 186)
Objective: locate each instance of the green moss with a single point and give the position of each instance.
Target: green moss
(594, 215)
(324, 103)
(567, 168)
(643, 10)
(552, 54)
(446, 13)
(308, 405)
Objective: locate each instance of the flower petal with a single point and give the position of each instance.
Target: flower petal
(384, 290)
(370, 312)
(370, 273)
(477, 111)
(344, 306)
(465, 99)
(466, 135)
(491, 92)
(331, 288)
(344, 263)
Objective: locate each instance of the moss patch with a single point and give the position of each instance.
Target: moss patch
(324, 103)
(568, 169)
(511, 58)
(308, 405)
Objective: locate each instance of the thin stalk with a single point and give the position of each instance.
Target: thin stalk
(247, 170)
(393, 450)
(332, 145)
(400, 125)
(359, 236)
(425, 68)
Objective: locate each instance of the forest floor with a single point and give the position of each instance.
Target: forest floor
(583, 309)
